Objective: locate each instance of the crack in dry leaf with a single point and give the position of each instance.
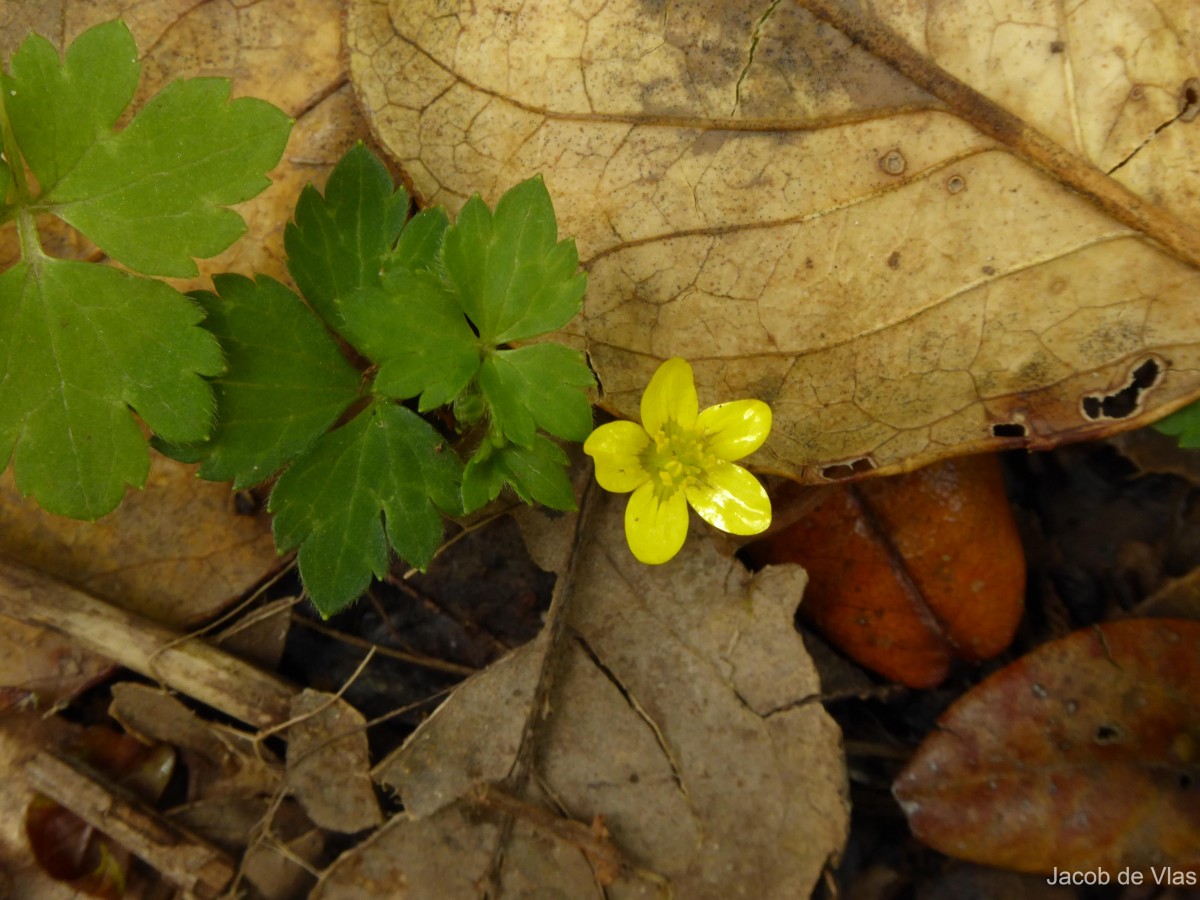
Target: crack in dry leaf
(755, 37)
(659, 737)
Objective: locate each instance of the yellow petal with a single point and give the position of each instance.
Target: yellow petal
(670, 395)
(735, 429)
(731, 499)
(655, 530)
(616, 448)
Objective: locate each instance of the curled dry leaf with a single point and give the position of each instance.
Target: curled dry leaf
(674, 746)
(1081, 755)
(902, 277)
(908, 573)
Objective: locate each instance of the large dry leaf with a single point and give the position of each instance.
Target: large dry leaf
(675, 712)
(902, 277)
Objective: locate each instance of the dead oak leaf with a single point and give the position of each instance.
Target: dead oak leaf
(673, 714)
(996, 248)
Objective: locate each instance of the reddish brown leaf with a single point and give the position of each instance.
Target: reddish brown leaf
(1082, 756)
(908, 573)
(71, 850)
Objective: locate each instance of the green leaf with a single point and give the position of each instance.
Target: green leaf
(540, 386)
(537, 473)
(80, 346)
(286, 382)
(512, 279)
(386, 472)
(59, 110)
(152, 195)
(1183, 424)
(415, 332)
(338, 242)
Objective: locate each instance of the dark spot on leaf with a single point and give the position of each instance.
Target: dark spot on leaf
(1108, 734)
(893, 261)
(989, 270)
(1189, 100)
(1186, 781)
(838, 471)
(1126, 401)
(1008, 429)
(1057, 46)
(1137, 92)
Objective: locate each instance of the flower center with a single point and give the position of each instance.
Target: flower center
(677, 459)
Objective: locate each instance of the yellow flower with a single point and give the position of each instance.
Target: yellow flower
(679, 456)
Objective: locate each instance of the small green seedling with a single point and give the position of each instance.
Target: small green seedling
(85, 346)
(432, 308)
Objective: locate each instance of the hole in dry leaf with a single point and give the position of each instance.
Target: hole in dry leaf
(1008, 429)
(893, 162)
(847, 469)
(956, 184)
(1126, 401)
(1108, 734)
(1189, 100)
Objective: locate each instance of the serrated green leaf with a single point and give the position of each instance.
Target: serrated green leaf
(419, 244)
(338, 242)
(285, 384)
(539, 386)
(537, 473)
(58, 109)
(415, 332)
(1183, 424)
(81, 344)
(385, 472)
(153, 195)
(513, 280)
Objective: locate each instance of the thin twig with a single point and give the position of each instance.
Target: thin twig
(539, 707)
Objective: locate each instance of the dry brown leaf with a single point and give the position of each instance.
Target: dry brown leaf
(220, 762)
(676, 745)
(902, 276)
(328, 763)
(21, 736)
(176, 552)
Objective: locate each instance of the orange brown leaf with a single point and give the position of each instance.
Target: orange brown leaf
(1083, 755)
(908, 573)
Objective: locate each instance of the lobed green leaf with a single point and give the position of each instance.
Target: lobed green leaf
(539, 386)
(511, 277)
(59, 109)
(537, 473)
(82, 345)
(415, 332)
(1183, 424)
(285, 384)
(384, 473)
(338, 242)
(153, 195)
